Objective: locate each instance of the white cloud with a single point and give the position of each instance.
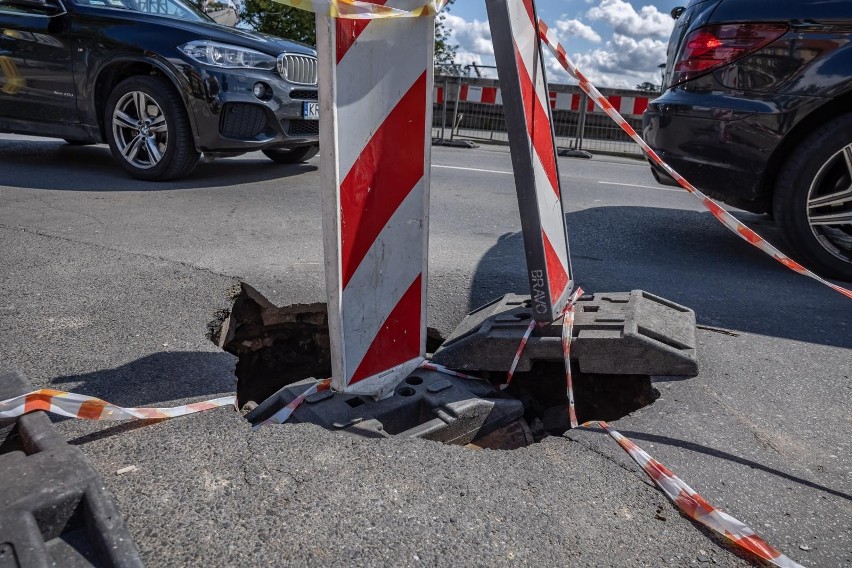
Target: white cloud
(471, 37)
(625, 20)
(626, 55)
(473, 41)
(577, 29)
(623, 61)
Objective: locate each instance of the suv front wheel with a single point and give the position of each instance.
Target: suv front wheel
(148, 129)
(813, 199)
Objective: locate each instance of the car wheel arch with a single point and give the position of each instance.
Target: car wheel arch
(815, 119)
(809, 209)
(152, 140)
(117, 69)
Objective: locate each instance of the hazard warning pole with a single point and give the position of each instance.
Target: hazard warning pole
(376, 81)
(517, 51)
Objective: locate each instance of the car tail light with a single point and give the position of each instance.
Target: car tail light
(712, 47)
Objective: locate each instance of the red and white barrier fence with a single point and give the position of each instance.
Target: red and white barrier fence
(632, 106)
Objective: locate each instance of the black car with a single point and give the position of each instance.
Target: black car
(158, 80)
(757, 112)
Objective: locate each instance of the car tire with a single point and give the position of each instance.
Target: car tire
(156, 143)
(294, 156)
(812, 202)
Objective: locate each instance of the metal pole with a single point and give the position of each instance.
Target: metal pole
(581, 122)
(444, 107)
(456, 110)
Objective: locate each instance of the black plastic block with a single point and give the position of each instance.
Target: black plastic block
(427, 404)
(614, 333)
(54, 510)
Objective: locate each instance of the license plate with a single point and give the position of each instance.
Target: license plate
(310, 111)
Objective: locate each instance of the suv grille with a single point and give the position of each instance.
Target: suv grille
(298, 69)
(303, 127)
(304, 94)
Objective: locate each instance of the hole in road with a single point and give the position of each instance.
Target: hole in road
(544, 396)
(276, 347)
(596, 396)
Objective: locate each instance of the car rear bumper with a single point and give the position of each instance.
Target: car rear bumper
(723, 151)
(228, 117)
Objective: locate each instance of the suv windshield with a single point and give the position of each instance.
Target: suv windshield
(170, 8)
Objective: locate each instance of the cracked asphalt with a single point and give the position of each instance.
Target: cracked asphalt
(108, 284)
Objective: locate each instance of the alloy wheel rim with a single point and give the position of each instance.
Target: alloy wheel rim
(829, 206)
(140, 130)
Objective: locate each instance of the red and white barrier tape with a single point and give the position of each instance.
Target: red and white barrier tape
(694, 505)
(86, 407)
(549, 38)
(363, 9)
(429, 366)
(567, 330)
(285, 413)
(681, 494)
(518, 354)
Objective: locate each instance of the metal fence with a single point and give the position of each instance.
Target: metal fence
(471, 109)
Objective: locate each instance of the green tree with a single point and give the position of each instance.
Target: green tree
(648, 87)
(445, 52)
(276, 19)
(269, 17)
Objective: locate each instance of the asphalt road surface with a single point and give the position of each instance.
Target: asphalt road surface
(108, 284)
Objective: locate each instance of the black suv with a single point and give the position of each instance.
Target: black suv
(158, 80)
(758, 113)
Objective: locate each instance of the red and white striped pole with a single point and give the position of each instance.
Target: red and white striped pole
(526, 102)
(375, 137)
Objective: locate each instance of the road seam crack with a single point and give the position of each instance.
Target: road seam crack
(120, 251)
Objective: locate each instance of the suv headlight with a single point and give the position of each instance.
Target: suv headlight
(228, 56)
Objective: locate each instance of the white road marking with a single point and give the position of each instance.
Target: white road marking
(628, 164)
(566, 177)
(660, 188)
(473, 170)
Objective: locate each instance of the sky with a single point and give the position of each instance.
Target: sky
(615, 43)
